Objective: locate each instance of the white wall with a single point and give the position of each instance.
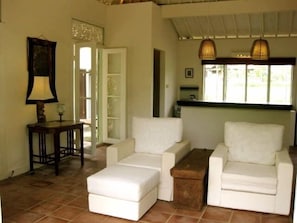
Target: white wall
(139, 28)
(41, 19)
(204, 126)
(130, 27)
(165, 39)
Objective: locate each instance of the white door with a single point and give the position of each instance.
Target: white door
(114, 95)
(86, 92)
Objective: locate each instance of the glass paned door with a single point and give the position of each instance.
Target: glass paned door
(114, 95)
(86, 92)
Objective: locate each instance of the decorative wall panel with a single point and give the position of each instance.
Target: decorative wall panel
(87, 32)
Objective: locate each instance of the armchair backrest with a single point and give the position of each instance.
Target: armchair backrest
(155, 135)
(252, 142)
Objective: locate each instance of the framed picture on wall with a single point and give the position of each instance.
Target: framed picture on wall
(41, 55)
(189, 72)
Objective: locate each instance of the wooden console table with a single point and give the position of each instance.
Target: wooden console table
(190, 179)
(55, 128)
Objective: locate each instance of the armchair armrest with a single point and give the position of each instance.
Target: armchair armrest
(217, 161)
(169, 158)
(119, 151)
(284, 168)
(176, 152)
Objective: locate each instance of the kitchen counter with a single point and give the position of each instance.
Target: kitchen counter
(232, 105)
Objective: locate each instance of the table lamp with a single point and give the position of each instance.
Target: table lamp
(40, 92)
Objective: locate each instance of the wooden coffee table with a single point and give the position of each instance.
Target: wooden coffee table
(190, 180)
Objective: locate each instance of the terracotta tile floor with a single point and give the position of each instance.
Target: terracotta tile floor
(46, 198)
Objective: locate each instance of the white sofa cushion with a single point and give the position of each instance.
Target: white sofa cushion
(247, 177)
(254, 143)
(123, 182)
(152, 135)
(144, 160)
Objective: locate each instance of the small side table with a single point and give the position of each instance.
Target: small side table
(55, 128)
(190, 180)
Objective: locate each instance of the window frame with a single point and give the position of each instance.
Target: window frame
(248, 61)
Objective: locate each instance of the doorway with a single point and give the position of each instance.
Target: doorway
(86, 92)
(159, 83)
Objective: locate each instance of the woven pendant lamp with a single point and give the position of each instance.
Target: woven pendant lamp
(207, 50)
(260, 50)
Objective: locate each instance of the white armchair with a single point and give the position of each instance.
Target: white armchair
(156, 143)
(251, 170)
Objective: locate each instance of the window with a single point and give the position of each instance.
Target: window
(247, 81)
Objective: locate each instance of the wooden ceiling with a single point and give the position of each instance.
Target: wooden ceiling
(198, 19)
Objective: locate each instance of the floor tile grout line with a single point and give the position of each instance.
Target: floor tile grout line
(231, 216)
(169, 218)
(82, 175)
(204, 210)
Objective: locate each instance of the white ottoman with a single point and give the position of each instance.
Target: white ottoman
(123, 191)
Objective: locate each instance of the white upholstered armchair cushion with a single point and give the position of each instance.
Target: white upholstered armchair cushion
(254, 143)
(156, 143)
(249, 185)
(155, 135)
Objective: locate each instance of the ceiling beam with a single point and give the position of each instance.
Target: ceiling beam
(226, 8)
